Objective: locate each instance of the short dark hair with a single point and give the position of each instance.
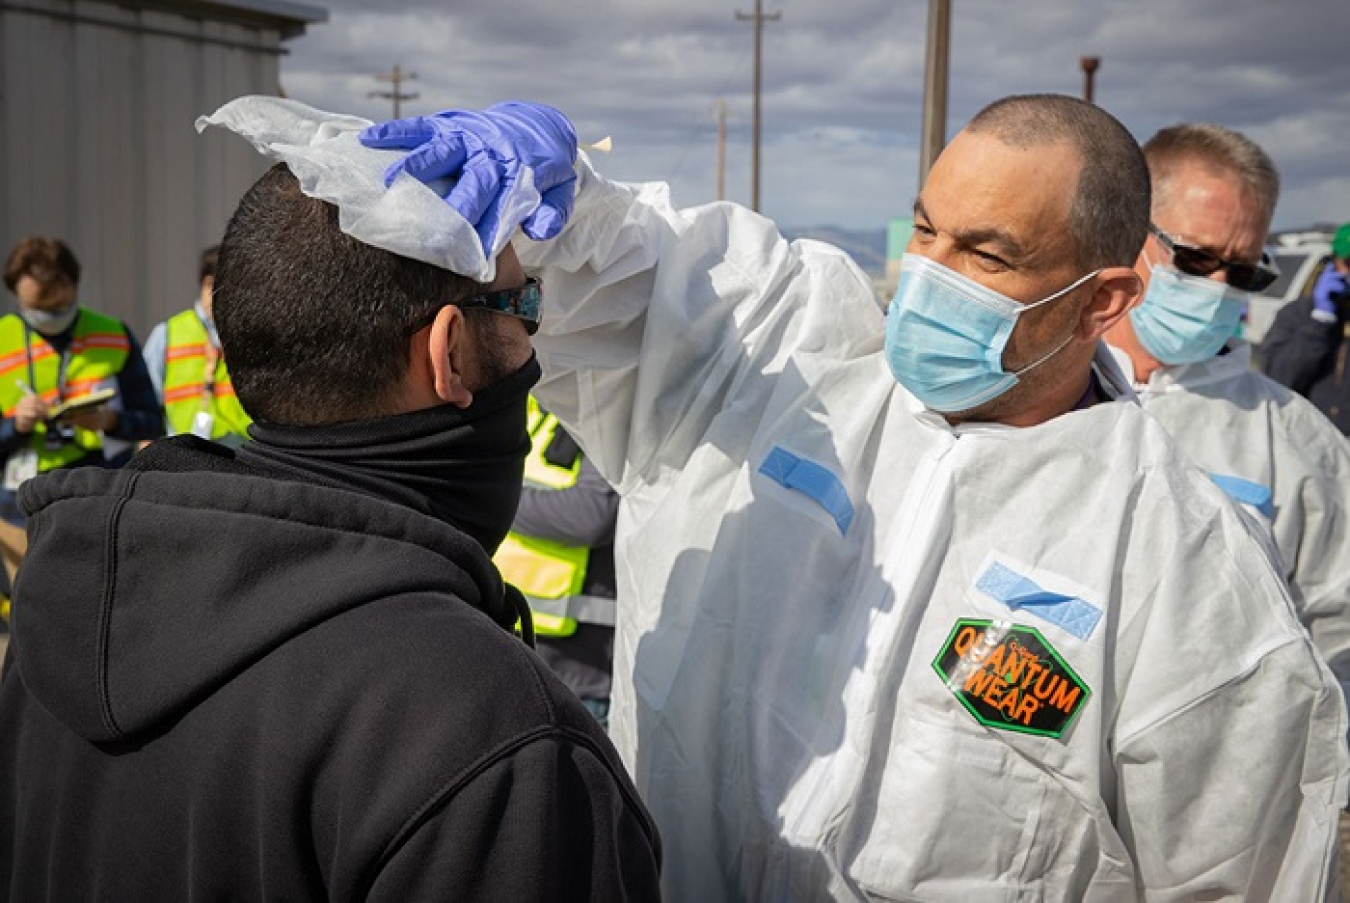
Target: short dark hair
(1108, 221)
(314, 323)
(206, 265)
(42, 259)
(1213, 147)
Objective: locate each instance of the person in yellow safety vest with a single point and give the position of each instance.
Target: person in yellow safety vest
(188, 369)
(560, 554)
(54, 351)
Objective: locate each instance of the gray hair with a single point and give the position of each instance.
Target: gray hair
(1216, 148)
(1108, 221)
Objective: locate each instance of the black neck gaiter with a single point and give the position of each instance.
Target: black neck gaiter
(463, 467)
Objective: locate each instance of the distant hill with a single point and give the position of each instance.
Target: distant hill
(866, 246)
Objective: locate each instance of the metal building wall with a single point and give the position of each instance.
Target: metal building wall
(97, 104)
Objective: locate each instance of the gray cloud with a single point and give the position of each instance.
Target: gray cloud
(844, 82)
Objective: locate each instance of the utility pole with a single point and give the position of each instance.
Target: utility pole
(721, 149)
(1089, 65)
(759, 18)
(935, 86)
(396, 78)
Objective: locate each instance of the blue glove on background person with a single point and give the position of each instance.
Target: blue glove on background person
(511, 164)
(1331, 294)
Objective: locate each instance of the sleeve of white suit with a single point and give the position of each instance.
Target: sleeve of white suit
(1248, 812)
(1313, 532)
(656, 320)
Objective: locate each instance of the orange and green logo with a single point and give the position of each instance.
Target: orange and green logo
(1009, 677)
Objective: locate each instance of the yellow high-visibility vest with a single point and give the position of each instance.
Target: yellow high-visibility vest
(543, 570)
(98, 351)
(187, 391)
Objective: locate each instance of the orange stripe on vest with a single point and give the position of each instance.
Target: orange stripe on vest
(183, 352)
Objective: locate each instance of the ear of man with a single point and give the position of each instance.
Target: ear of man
(447, 355)
(1117, 290)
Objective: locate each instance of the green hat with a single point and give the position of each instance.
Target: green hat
(1340, 245)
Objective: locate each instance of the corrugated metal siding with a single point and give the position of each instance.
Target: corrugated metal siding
(99, 146)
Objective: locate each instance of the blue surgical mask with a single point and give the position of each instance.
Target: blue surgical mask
(1186, 319)
(945, 336)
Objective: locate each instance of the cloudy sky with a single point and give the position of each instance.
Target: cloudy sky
(843, 82)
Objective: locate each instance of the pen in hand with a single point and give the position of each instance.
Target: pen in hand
(29, 410)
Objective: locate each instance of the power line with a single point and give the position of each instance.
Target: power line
(698, 132)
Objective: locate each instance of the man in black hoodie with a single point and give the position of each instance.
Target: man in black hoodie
(288, 671)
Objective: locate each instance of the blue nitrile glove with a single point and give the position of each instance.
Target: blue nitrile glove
(485, 154)
(1331, 293)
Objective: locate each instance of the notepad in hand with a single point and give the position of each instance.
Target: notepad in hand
(81, 404)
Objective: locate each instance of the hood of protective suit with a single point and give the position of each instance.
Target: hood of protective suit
(145, 589)
(324, 153)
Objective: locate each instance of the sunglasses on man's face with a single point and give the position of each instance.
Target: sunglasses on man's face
(521, 302)
(1246, 277)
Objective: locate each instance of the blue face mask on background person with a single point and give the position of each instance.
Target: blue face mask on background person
(1186, 319)
(945, 336)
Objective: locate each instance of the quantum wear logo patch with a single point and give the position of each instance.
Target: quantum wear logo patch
(1009, 677)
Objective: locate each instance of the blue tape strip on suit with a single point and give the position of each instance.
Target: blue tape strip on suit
(1248, 493)
(1070, 613)
(812, 480)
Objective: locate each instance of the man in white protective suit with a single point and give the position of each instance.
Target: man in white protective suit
(926, 609)
(1214, 192)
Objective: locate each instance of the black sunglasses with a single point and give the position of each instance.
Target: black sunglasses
(1246, 277)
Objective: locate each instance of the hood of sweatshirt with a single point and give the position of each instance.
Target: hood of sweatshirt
(145, 589)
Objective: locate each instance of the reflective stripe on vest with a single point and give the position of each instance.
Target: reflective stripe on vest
(185, 387)
(581, 607)
(543, 570)
(98, 352)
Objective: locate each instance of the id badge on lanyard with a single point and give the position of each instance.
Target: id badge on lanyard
(20, 467)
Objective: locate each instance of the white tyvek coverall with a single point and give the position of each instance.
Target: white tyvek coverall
(1233, 421)
(775, 690)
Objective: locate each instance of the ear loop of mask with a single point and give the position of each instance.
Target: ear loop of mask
(1067, 339)
(1029, 367)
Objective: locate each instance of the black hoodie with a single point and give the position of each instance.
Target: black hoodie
(228, 686)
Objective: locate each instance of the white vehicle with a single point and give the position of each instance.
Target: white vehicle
(1299, 256)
